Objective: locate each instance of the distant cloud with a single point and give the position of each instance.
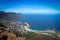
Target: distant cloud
(41, 11)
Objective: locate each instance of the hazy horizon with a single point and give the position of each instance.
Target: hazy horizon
(31, 6)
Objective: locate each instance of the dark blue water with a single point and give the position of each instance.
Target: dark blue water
(42, 21)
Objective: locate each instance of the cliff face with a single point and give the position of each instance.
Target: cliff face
(7, 17)
(11, 16)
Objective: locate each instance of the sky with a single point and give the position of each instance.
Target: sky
(31, 6)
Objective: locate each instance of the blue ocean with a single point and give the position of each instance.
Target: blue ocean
(42, 21)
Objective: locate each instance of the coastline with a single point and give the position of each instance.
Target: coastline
(51, 33)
